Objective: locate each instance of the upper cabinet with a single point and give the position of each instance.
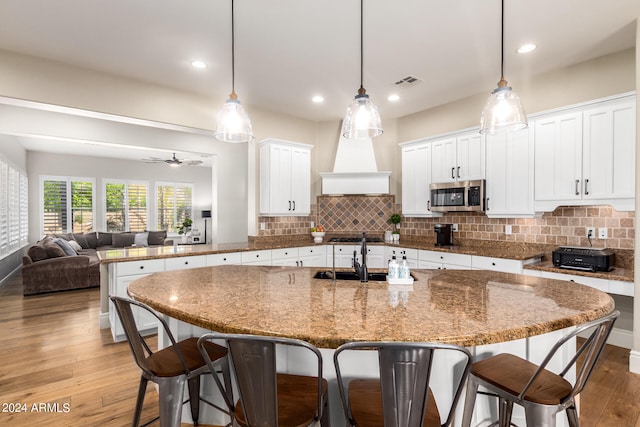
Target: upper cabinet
(586, 156)
(416, 178)
(458, 157)
(510, 174)
(285, 178)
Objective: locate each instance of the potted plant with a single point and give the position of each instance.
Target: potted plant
(184, 228)
(395, 219)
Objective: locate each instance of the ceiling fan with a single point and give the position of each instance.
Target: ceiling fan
(173, 161)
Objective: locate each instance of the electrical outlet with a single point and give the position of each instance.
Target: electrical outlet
(591, 232)
(507, 229)
(313, 224)
(263, 226)
(603, 233)
(454, 227)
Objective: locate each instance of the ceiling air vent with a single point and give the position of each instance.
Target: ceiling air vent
(407, 81)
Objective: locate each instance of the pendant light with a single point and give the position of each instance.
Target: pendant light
(233, 124)
(503, 111)
(362, 119)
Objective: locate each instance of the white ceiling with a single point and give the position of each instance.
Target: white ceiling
(289, 50)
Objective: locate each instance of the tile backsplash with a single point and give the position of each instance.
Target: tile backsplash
(564, 226)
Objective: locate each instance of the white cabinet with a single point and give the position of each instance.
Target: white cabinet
(183, 263)
(510, 174)
(586, 156)
(256, 257)
(498, 264)
(120, 275)
(458, 157)
(231, 258)
(307, 256)
(443, 260)
(416, 178)
(285, 178)
(343, 255)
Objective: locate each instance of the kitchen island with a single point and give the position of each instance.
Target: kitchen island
(486, 311)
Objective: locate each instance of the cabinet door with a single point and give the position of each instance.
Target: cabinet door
(300, 181)
(343, 255)
(510, 174)
(470, 156)
(147, 323)
(280, 179)
(443, 160)
(558, 157)
(416, 178)
(609, 151)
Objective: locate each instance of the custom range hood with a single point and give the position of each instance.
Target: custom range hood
(355, 170)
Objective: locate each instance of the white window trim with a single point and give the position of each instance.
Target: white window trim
(68, 179)
(103, 202)
(17, 217)
(155, 199)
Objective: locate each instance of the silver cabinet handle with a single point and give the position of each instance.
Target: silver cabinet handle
(577, 187)
(586, 187)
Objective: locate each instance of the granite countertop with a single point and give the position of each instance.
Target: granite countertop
(467, 308)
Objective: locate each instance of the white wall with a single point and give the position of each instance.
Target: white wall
(101, 168)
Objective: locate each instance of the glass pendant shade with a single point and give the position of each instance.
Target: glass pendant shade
(362, 119)
(503, 111)
(233, 124)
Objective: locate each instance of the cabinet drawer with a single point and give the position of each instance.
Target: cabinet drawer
(222, 259)
(373, 250)
(182, 263)
(255, 256)
(399, 252)
(307, 251)
(445, 258)
(496, 264)
(284, 253)
(140, 267)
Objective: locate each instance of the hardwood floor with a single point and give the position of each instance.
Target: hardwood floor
(59, 369)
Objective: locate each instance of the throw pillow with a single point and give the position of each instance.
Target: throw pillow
(37, 252)
(81, 240)
(53, 250)
(122, 240)
(64, 245)
(75, 245)
(141, 239)
(157, 237)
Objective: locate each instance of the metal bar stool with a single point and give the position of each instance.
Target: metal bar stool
(401, 396)
(541, 392)
(269, 398)
(170, 367)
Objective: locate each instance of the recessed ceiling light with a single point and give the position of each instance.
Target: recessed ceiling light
(198, 64)
(393, 97)
(317, 99)
(526, 48)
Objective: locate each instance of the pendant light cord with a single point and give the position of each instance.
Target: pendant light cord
(233, 52)
(361, 44)
(502, 42)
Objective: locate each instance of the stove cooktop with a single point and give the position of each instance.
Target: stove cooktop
(354, 239)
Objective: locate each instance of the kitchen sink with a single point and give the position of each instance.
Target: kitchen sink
(350, 275)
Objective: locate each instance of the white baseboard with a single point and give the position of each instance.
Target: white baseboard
(634, 362)
(104, 321)
(618, 337)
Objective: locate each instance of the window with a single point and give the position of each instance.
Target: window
(14, 216)
(175, 203)
(67, 205)
(126, 206)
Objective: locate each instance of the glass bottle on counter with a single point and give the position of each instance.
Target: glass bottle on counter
(394, 268)
(403, 268)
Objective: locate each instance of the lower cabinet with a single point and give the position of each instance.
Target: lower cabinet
(411, 254)
(443, 260)
(231, 258)
(256, 257)
(499, 264)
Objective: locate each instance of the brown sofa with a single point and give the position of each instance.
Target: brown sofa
(70, 261)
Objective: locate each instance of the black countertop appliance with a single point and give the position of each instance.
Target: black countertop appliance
(444, 234)
(585, 259)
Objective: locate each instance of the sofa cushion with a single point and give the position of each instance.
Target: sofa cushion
(157, 237)
(81, 240)
(64, 245)
(141, 239)
(122, 240)
(104, 239)
(92, 240)
(37, 252)
(53, 250)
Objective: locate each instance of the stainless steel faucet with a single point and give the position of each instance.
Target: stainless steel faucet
(361, 270)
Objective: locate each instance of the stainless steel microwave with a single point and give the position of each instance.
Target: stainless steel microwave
(458, 196)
